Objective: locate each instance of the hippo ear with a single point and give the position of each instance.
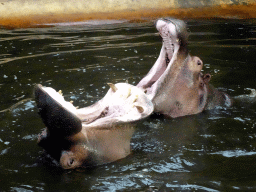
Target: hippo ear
(57, 114)
(207, 78)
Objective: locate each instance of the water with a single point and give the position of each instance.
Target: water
(211, 151)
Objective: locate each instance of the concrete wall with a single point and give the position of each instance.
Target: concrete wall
(21, 13)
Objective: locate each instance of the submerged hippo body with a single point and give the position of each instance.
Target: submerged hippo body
(175, 84)
(101, 133)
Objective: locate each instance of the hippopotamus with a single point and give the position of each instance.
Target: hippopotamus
(93, 135)
(175, 84)
(101, 133)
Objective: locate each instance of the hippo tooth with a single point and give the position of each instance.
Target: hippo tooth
(253, 92)
(112, 86)
(60, 92)
(126, 94)
(129, 92)
(135, 99)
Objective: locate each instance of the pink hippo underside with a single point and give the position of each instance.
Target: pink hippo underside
(101, 133)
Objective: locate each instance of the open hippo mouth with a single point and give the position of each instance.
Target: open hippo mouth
(123, 103)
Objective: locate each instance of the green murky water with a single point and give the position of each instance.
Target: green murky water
(212, 151)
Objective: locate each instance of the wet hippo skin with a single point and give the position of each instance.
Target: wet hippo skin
(101, 133)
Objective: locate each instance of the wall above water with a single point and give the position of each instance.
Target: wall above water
(31, 13)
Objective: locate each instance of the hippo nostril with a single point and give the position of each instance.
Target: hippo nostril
(201, 85)
(199, 62)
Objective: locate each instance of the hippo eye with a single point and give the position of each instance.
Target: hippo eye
(71, 161)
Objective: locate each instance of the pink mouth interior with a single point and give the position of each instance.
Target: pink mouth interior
(165, 57)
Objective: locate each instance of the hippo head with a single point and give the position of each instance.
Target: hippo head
(92, 135)
(175, 83)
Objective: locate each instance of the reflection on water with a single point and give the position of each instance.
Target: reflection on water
(212, 151)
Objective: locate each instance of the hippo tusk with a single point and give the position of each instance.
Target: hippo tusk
(128, 93)
(135, 99)
(112, 86)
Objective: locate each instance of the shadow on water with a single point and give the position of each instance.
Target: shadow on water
(211, 151)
